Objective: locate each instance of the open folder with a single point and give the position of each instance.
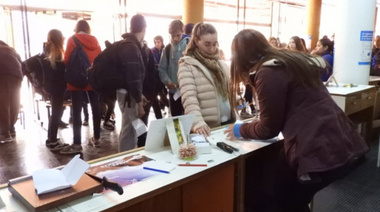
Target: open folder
(48, 180)
(23, 189)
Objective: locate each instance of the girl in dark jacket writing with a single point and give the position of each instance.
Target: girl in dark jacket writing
(320, 142)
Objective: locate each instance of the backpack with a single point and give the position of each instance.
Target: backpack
(169, 46)
(106, 75)
(167, 52)
(33, 69)
(78, 64)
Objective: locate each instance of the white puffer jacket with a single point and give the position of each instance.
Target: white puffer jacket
(198, 92)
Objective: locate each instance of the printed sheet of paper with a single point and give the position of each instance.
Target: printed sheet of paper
(176, 134)
(125, 171)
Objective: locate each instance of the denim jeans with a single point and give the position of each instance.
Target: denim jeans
(77, 102)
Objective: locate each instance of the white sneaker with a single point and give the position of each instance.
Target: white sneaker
(6, 140)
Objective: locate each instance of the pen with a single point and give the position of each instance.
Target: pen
(192, 164)
(156, 170)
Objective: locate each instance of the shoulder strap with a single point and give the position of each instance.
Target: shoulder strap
(76, 41)
(167, 52)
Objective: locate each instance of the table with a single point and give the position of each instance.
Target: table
(358, 103)
(254, 154)
(217, 187)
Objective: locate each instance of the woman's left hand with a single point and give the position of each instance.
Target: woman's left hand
(229, 132)
(204, 130)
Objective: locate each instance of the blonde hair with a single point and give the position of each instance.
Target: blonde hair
(54, 47)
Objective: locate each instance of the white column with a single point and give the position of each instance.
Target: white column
(353, 40)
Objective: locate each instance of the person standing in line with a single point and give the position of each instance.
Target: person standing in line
(188, 29)
(92, 49)
(131, 100)
(203, 81)
(160, 87)
(168, 67)
(55, 85)
(149, 90)
(324, 48)
(10, 79)
(320, 143)
(108, 101)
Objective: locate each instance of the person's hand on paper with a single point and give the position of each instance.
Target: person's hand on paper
(140, 109)
(204, 130)
(229, 132)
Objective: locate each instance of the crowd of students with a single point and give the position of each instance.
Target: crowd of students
(320, 142)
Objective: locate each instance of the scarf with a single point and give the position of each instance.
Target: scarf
(211, 63)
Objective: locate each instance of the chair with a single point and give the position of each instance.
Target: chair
(48, 106)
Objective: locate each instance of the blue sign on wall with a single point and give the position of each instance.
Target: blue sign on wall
(366, 35)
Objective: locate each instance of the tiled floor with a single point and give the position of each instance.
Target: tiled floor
(359, 191)
(29, 153)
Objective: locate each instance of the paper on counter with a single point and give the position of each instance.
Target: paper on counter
(200, 142)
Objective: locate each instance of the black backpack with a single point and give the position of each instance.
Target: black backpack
(106, 75)
(76, 68)
(33, 69)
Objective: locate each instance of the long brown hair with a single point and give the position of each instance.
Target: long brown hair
(299, 44)
(198, 30)
(250, 50)
(54, 47)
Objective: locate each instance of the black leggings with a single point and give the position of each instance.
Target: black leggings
(56, 101)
